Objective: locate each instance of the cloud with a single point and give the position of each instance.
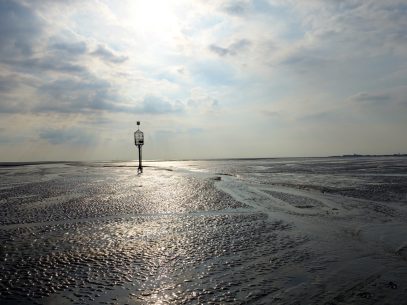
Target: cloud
(251, 7)
(90, 96)
(71, 48)
(237, 8)
(232, 49)
(8, 105)
(106, 54)
(271, 114)
(74, 136)
(304, 59)
(20, 29)
(155, 105)
(380, 26)
(7, 83)
(212, 73)
(96, 121)
(11, 99)
(36, 66)
(200, 100)
(327, 117)
(78, 95)
(7, 139)
(370, 97)
(163, 135)
(195, 130)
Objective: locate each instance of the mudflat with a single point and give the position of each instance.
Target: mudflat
(261, 231)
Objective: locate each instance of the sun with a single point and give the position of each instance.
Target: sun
(153, 17)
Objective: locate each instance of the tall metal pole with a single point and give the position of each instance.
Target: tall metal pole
(140, 167)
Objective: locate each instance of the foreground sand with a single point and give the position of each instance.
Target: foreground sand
(187, 233)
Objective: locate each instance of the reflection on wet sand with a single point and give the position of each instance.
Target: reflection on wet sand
(84, 234)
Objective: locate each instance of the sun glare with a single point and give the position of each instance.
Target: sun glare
(153, 17)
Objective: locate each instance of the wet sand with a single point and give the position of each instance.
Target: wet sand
(202, 233)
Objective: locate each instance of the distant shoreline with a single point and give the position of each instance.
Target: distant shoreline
(359, 156)
(24, 163)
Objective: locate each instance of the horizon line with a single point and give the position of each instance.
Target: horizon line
(11, 163)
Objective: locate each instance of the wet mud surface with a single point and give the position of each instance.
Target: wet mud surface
(220, 232)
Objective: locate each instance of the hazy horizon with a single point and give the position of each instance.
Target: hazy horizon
(207, 79)
(135, 160)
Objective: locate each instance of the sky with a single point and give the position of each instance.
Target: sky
(207, 79)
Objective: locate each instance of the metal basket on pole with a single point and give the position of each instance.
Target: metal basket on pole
(139, 142)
